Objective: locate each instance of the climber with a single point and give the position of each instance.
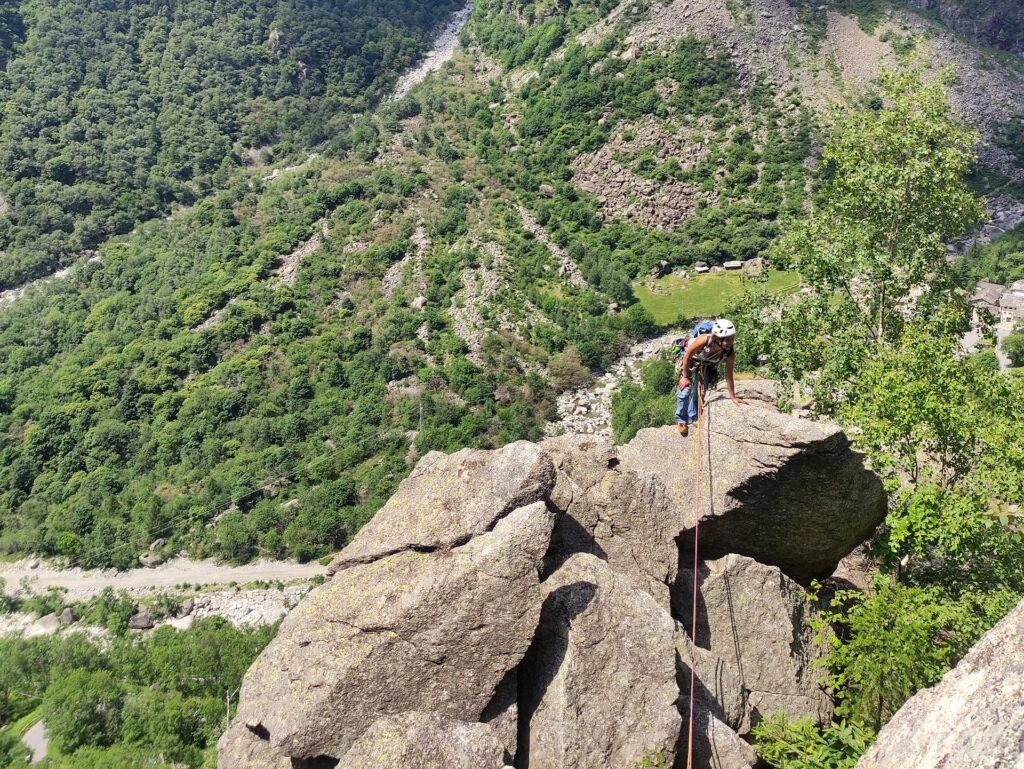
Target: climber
(711, 344)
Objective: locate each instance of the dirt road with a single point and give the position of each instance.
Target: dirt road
(82, 584)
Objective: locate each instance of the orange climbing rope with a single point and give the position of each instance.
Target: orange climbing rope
(696, 539)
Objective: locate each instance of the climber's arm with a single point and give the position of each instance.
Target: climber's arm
(693, 345)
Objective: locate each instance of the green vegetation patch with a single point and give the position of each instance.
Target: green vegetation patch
(674, 298)
(126, 702)
(1001, 261)
(116, 111)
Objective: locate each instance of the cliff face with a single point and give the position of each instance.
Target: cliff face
(998, 23)
(531, 606)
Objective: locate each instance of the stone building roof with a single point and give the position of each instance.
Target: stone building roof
(988, 293)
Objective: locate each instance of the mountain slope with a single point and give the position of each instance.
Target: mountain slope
(257, 373)
(115, 111)
(998, 23)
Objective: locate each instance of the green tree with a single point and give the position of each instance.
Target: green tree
(874, 336)
(636, 407)
(1013, 347)
(83, 708)
(986, 360)
(567, 370)
(659, 377)
(872, 251)
(894, 646)
(13, 753)
(941, 432)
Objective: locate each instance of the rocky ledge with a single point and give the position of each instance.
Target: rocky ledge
(532, 606)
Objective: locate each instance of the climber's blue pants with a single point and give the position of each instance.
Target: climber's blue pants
(686, 397)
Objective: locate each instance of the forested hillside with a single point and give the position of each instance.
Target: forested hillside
(116, 111)
(431, 282)
(299, 287)
(179, 384)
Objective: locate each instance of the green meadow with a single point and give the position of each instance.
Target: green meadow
(702, 295)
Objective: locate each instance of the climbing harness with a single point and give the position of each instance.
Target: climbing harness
(696, 540)
(711, 354)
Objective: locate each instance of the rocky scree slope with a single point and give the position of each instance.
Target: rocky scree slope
(823, 53)
(530, 606)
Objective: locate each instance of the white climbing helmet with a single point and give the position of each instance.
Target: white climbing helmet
(723, 328)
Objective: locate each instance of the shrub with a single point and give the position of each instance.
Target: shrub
(567, 370)
(801, 744)
(1013, 346)
(634, 408)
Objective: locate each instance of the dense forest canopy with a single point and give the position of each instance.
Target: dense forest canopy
(123, 702)
(115, 111)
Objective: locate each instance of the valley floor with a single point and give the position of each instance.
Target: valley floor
(82, 584)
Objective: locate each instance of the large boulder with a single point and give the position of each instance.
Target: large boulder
(151, 560)
(785, 491)
(717, 687)
(973, 718)
(624, 518)
(715, 745)
(45, 625)
(415, 631)
(142, 619)
(450, 498)
(598, 687)
(420, 740)
(756, 620)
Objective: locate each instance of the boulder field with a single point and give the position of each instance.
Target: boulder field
(531, 606)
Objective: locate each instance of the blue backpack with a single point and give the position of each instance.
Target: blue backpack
(679, 345)
(702, 327)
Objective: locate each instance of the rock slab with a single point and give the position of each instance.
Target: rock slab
(622, 517)
(435, 631)
(783, 490)
(715, 745)
(600, 678)
(757, 622)
(973, 718)
(418, 740)
(717, 686)
(518, 606)
(450, 498)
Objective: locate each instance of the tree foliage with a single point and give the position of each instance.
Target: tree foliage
(800, 744)
(118, 110)
(875, 338)
(1013, 346)
(131, 700)
(872, 251)
(650, 404)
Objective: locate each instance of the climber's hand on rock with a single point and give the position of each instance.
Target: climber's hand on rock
(737, 400)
